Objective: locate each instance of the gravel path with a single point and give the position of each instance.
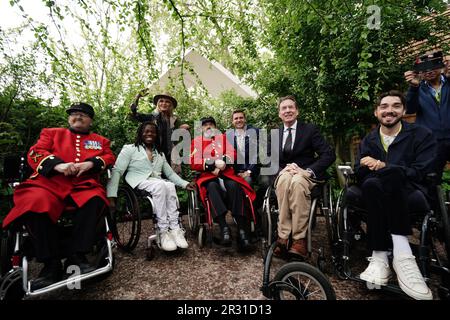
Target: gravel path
(208, 273)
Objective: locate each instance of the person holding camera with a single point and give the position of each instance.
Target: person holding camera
(428, 97)
(447, 66)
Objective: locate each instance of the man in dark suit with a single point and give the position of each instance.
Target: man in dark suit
(304, 156)
(245, 140)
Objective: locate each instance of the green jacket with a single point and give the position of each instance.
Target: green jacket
(136, 163)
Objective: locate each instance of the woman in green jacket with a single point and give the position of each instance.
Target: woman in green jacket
(144, 164)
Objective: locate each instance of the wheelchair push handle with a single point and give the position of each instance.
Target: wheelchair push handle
(346, 170)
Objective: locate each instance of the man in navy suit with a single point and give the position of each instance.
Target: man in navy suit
(304, 156)
(245, 140)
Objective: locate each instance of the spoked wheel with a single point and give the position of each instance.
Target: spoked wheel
(265, 244)
(6, 248)
(193, 212)
(301, 281)
(127, 219)
(269, 219)
(10, 280)
(11, 286)
(445, 223)
(338, 222)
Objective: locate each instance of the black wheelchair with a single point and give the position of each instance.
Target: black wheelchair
(201, 223)
(321, 204)
(132, 207)
(16, 251)
(431, 221)
(296, 279)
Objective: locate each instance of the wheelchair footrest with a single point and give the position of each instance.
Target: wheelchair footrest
(72, 282)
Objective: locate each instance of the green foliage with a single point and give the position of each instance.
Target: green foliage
(327, 56)
(446, 181)
(320, 50)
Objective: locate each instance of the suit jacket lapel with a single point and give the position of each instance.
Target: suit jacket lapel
(280, 140)
(297, 136)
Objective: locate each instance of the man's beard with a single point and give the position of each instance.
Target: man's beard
(392, 124)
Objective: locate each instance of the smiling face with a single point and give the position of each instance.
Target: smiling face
(149, 135)
(288, 112)
(80, 121)
(238, 120)
(164, 105)
(390, 111)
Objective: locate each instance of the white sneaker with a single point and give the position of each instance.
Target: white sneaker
(409, 277)
(166, 241)
(378, 272)
(178, 237)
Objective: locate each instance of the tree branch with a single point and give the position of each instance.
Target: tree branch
(183, 48)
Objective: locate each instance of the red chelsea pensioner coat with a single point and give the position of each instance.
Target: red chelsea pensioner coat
(216, 148)
(46, 189)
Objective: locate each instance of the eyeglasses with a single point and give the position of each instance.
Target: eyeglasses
(79, 114)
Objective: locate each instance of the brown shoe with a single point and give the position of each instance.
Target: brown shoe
(299, 248)
(280, 248)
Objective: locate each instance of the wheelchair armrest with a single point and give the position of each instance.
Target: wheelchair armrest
(346, 170)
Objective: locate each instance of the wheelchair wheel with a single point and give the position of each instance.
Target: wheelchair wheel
(126, 219)
(269, 219)
(11, 287)
(337, 225)
(193, 212)
(201, 236)
(6, 248)
(301, 281)
(445, 220)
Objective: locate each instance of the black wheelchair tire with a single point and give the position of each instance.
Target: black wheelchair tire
(15, 291)
(193, 214)
(133, 215)
(313, 273)
(446, 226)
(5, 252)
(201, 236)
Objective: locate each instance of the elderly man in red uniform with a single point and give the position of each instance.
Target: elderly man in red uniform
(66, 164)
(220, 182)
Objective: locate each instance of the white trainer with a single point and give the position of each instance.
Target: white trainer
(166, 241)
(178, 237)
(409, 277)
(378, 272)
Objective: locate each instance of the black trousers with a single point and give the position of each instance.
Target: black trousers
(218, 199)
(46, 240)
(442, 156)
(387, 196)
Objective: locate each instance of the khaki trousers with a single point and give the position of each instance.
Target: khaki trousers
(294, 203)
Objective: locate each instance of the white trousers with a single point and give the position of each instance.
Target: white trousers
(165, 201)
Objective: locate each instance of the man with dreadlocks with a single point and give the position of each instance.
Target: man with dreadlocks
(144, 163)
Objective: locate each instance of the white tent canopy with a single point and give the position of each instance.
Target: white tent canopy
(213, 76)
